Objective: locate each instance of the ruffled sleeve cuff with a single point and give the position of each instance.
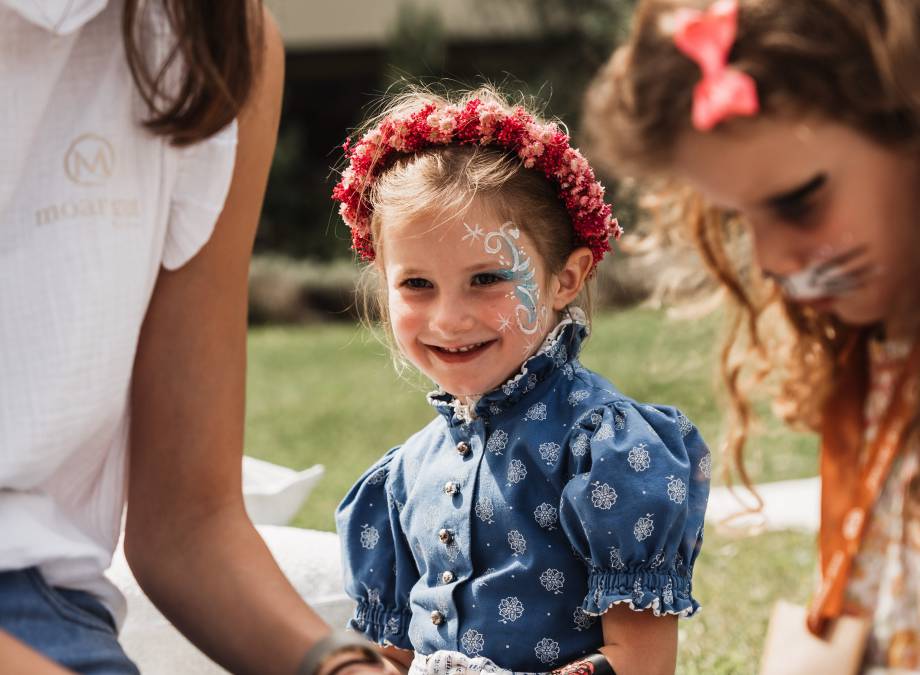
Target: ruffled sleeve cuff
(202, 183)
(382, 624)
(664, 593)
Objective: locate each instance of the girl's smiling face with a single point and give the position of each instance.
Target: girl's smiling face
(468, 299)
(834, 215)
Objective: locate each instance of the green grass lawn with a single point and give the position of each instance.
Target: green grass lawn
(328, 394)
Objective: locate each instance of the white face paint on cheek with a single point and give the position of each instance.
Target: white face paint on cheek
(527, 313)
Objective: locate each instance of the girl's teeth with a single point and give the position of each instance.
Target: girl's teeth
(462, 349)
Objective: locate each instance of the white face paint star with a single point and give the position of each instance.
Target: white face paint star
(504, 323)
(472, 233)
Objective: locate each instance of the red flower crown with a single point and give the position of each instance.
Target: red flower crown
(544, 147)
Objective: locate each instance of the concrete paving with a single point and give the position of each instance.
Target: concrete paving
(787, 505)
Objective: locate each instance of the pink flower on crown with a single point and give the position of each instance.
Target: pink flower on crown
(541, 147)
(442, 124)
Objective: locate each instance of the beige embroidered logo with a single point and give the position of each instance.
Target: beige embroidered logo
(90, 160)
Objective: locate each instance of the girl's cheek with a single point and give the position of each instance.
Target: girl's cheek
(501, 313)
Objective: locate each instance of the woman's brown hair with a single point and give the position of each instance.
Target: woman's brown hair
(854, 62)
(217, 44)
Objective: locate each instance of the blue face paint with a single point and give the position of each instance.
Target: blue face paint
(526, 290)
(504, 274)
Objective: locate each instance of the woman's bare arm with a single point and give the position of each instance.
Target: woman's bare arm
(188, 539)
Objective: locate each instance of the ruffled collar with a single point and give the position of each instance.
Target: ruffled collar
(557, 353)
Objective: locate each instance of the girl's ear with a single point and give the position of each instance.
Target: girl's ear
(569, 281)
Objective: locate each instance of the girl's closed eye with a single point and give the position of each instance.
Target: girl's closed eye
(798, 205)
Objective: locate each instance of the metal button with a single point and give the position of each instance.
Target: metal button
(437, 618)
(445, 535)
(451, 488)
(463, 447)
(447, 576)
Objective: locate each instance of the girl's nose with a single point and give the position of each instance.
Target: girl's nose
(778, 251)
(452, 315)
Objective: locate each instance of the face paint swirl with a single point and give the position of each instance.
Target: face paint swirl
(528, 314)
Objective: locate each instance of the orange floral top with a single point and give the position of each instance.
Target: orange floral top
(885, 580)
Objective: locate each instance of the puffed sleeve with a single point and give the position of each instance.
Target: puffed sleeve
(378, 563)
(634, 510)
(202, 181)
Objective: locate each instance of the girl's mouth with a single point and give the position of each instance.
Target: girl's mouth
(461, 353)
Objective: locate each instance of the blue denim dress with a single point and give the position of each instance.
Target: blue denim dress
(507, 530)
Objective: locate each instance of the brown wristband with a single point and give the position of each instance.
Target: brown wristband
(336, 643)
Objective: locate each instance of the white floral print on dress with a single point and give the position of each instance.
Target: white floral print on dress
(644, 527)
(684, 424)
(667, 595)
(605, 432)
(578, 396)
(510, 609)
(369, 536)
(485, 510)
(580, 445)
(638, 458)
(549, 452)
(616, 561)
(472, 642)
(497, 442)
(546, 516)
(582, 620)
(547, 650)
(516, 471)
(553, 580)
(677, 490)
(536, 412)
(517, 542)
(706, 465)
(603, 496)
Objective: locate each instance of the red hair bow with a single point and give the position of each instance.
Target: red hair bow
(707, 37)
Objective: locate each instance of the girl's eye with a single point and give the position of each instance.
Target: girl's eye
(793, 212)
(417, 283)
(488, 278)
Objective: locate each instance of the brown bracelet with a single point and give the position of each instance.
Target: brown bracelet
(350, 662)
(333, 644)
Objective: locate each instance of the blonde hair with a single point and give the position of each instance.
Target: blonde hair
(444, 182)
(851, 62)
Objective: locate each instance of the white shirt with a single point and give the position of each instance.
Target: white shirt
(91, 207)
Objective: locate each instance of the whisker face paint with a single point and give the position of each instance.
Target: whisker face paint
(836, 276)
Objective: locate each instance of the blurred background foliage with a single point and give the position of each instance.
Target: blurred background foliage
(550, 53)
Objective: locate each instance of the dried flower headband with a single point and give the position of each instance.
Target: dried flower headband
(543, 147)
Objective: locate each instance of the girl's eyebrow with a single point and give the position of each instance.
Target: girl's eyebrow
(797, 194)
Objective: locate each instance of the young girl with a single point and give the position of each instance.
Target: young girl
(542, 517)
(803, 119)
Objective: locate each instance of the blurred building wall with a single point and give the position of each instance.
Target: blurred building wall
(319, 25)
